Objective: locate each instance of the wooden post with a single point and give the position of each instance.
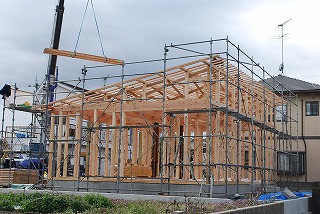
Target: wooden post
(60, 133)
(144, 149)
(258, 155)
(170, 143)
(78, 145)
(124, 146)
(197, 150)
(177, 149)
(51, 147)
(106, 154)
(66, 147)
(140, 148)
(114, 148)
(149, 147)
(134, 146)
(94, 145)
(186, 148)
(181, 149)
(155, 150)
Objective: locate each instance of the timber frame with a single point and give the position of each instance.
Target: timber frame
(211, 119)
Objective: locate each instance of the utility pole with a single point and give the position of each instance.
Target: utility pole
(281, 67)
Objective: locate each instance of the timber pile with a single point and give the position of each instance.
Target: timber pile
(18, 176)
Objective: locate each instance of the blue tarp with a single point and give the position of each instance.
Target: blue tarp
(33, 164)
(22, 135)
(279, 196)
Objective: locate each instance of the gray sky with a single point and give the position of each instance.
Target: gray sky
(137, 30)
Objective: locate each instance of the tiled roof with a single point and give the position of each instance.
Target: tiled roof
(288, 83)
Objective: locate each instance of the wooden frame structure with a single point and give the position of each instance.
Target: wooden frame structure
(201, 120)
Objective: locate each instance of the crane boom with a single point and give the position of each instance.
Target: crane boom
(56, 36)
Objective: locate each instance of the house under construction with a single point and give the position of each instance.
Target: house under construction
(203, 126)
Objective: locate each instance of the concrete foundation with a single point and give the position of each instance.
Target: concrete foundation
(190, 190)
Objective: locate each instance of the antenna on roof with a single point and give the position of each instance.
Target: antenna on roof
(281, 67)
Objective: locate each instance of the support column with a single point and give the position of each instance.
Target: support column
(124, 146)
(66, 147)
(197, 150)
(51, 147)
(78, 145)
(155, 150)
(186, 148)
(114, 147)
(177, 149)
(134, 146)
(106, 153)
(60, 133)
(94, 147)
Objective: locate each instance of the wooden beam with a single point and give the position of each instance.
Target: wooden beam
(84, 56)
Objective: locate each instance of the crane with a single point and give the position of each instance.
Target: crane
(54, 52)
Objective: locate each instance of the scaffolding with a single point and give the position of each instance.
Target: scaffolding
(207, 124)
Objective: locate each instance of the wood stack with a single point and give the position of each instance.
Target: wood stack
(18, 176)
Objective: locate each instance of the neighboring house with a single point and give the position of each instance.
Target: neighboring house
(307, 101)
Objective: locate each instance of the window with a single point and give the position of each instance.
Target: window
(72, 132)
(291, 162)
(281, 113)
(246, 159)
(312, 108)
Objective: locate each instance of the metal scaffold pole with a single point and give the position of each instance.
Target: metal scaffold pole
(2, 131)
(238, 119)
(253, 133)
(80, 124)
(263, 183)
(12, 130)
(121, 143)
(164, 132)
(227, 119)
(209, 139)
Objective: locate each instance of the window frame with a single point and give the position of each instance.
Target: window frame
(311, 110)
(281, 113)
(291, 160)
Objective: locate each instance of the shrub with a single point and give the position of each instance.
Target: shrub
(98, 201)
(6, 205)
(77, 204)
(45, 203)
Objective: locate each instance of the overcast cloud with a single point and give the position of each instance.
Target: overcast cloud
(137, 30)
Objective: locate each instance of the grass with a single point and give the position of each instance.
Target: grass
(95, 203)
